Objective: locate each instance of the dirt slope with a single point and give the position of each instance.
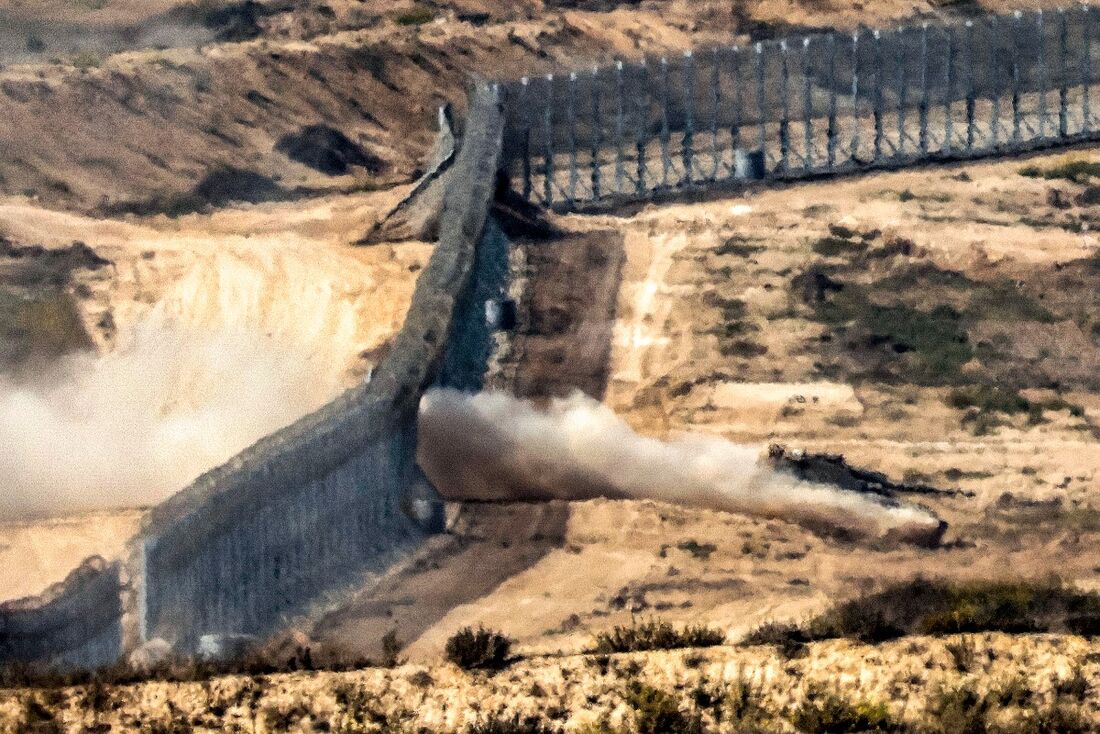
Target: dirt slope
(144, 129)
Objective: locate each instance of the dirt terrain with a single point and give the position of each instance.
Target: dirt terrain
(941, 325)
(208, 122)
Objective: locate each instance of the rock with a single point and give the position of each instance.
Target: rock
(149, 655)
(225, 647)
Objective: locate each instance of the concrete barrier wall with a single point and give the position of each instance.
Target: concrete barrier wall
(312, 507)
(74, 623)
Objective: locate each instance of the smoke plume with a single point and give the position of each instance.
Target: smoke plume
(131, 426)
(491, 446)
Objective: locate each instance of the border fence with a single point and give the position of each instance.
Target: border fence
(802, 107)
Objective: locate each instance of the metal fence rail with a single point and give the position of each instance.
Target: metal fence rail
(800, 107)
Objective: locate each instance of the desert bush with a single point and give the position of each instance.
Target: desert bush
(824, 712)
(926, 606)
(989, 398)
(789, 639)
(656, 635)
(416, 15)
(514, 724)
(658, 712)
(835, 246)
(1075, 686)
(37, 718)
(391, 650)
(479, 649)
(963, 653)
(282, 715)
(1070, 169)
(959, 710)
(1054, 718)
(701, 551)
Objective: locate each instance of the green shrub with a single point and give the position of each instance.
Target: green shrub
(928, 606)
(832, 246)
(824, 712)
(86, 60)
(656, 635)
(391, 650)
(416, 15)
(963, 653)
(988, 398)
(789, 639)
(37, 718)
(1055, 718)
(479, 649)
(1069, 169)
(960, 710)
(515, 724)
(698, 550)
(658, 712)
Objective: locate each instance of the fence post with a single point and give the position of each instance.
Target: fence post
(715, 107)
(761, 103)
(548, 144)
(687, 151)
(1016, 123)
(877, 99)
(855, 96)
(738, 101)
(808, 106)
(525, 141)
(903, 92)
(571, 128)
(830, 133)
(923, 113)
(595, 134)
(643, 116)
(1063, 72)
(997, 88)
(970, 87)
(784, 109)
(619, 94)
(666, 161)
(949, 94)
(1086, 65)
(1041, 67)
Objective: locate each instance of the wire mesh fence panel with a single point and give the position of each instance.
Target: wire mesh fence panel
(803, 106)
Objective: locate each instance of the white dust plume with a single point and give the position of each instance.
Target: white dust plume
(491, 446)
(131, 426)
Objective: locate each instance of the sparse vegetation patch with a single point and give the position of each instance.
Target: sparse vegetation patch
(927, 606)
(656, 635)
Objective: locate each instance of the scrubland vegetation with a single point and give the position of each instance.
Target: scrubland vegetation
(937, 661)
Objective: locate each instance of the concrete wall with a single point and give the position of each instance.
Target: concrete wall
(310, 508)
(74, 623)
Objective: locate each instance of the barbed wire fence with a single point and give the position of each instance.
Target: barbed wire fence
(801, 107)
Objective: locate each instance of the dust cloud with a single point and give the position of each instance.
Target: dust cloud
(491, 446)
(133, 425)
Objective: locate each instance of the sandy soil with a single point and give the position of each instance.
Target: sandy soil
(36, 554)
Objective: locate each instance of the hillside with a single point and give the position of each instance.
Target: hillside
(182, 273)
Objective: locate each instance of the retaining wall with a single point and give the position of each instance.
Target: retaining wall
(310, 508)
